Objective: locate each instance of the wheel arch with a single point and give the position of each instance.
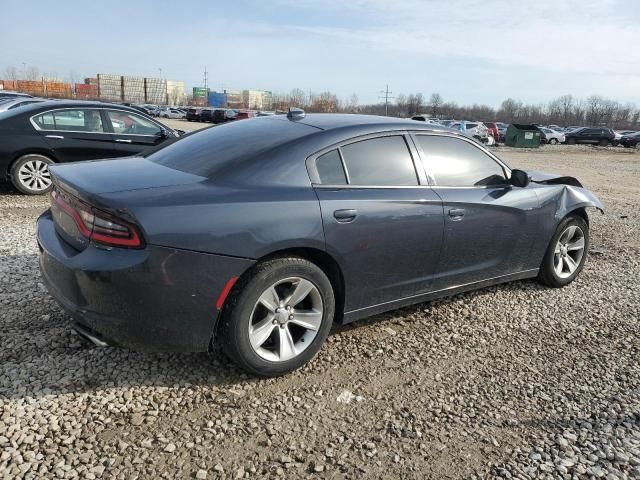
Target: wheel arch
(33, 151)
(318, 257)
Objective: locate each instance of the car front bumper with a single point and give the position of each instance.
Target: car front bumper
(151, 299)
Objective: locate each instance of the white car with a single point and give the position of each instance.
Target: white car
(172, 113)
(477, 130)
(551, 136)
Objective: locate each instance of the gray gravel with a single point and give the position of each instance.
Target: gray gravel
(516, 381)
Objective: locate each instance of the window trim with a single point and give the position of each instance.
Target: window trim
(413, 152)
(432, 181)
(102, 111)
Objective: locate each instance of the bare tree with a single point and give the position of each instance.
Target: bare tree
(297, 98)
(11, 73)
(435, 102)
(32, 74)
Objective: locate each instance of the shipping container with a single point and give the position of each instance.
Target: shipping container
(86, 92)
(58, 90)
(32, 87)
(155, 91)
(133, 89)
(9, 84)
(110, 87)
(91, 81)
(235, 99)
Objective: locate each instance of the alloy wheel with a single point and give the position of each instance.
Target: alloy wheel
(35, 175)
(285, 319)
(569, 251)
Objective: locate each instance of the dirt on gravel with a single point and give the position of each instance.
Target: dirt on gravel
(515, 381)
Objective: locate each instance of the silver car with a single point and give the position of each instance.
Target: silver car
(553, 137)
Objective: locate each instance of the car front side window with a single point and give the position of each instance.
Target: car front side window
(455, 162)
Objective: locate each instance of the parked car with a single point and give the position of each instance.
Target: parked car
(7, 94)
(631, 140)
(493, 130)
(244, 114)
(193, 114)
(221, 115)
(252, 235)
(172, 113)
(15, 102)
(476, 130)
(551, 136)
(426, 119)
(591, 135)
(35, 136)
(206, 115)
(140, 108)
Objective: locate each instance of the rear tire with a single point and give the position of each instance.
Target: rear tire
(553, 141)
(262, 333)
(566, 253)
(30, 174)
(571, 141)
(603, 143)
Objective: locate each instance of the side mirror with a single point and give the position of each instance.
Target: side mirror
(519, 178)
(162, 133)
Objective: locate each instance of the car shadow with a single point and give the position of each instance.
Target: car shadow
(41, 355)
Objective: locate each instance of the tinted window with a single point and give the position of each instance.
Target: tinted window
(471, 125)
(329, 167)
(379, 161)
(212, 151)
(78, 120)
(454, 162)
(126, 123)
(45, 121)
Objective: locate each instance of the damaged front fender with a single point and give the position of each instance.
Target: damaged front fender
(567, 192)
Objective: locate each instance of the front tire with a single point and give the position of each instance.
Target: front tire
(30, 174)
(553, 141)
(566, 253)
(278, 317)
(571, 141)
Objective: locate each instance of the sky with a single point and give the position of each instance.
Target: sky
(468, 51)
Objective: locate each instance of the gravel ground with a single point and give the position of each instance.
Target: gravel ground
(516, 381)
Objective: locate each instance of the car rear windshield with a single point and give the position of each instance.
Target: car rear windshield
(212, 150)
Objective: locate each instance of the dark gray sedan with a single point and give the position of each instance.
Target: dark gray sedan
(260, 234)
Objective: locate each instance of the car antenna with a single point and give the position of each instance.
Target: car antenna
(295, 113)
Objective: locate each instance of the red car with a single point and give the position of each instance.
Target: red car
(493, 130)
(243, 114)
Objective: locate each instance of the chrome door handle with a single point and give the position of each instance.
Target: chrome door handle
(122, 140)
(345, 216)
(58, 137)
(456, 213)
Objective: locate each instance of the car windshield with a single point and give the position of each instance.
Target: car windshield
(210, 151)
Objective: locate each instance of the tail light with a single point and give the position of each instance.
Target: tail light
(97, 225)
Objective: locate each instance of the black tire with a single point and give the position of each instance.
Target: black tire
(234, 328)
(604, 142)
(571, 141)
(547, 274)
(16, 179)
(553, 141)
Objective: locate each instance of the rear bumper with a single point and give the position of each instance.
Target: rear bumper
(155, 299)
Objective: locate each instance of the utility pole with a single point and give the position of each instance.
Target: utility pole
(206, 79)
(387, 96)
(160, 70)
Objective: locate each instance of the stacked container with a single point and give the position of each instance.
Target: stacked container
(86, 92)
(235, 99)
(91, 81)
(155, 91)
(57, 90)
(110, 87)
(32, 87)
(133, 89)
(9, 84)
(217, 99)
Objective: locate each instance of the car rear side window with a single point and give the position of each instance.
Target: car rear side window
(83, 120)
(384, 161)
(330, 170)
(454, 162)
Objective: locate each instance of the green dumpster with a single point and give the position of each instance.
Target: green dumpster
(523, 136)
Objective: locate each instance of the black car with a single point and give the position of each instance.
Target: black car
(591, 135)
(8, 94)
(35, 136)
(259, 234)
(631, 140)
(221, 115)
(206, 115)
(193, 114)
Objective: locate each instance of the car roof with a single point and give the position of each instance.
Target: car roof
(37, 107)
(331, 121)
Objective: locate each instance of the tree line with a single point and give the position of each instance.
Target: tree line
(564, 111)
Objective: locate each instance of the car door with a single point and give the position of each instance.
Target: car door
(589, 135)
(134, 133)
(488, 223)
(75, 134)
(380, 222)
